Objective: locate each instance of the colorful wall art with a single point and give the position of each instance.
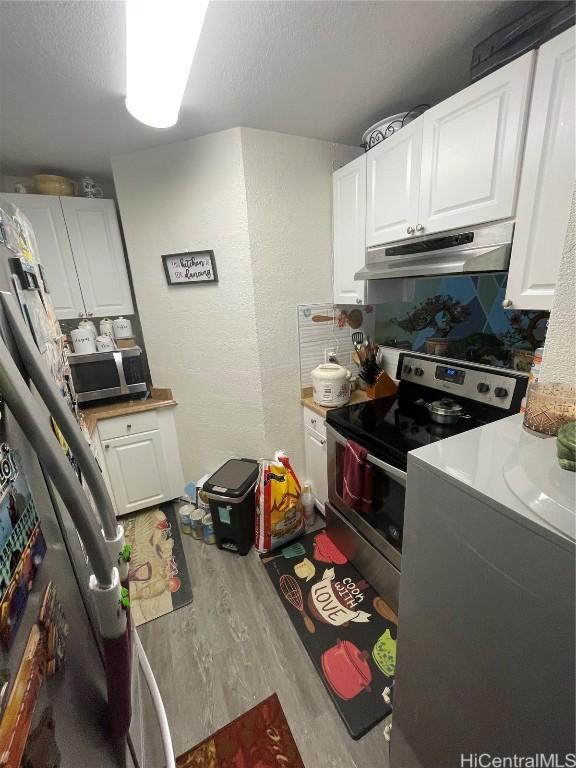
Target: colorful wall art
(463, 317)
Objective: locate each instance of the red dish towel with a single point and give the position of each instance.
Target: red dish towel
(358, 480)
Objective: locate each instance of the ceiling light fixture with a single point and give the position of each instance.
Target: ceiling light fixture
(161, 40)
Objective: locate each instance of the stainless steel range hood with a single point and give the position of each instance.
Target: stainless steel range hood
(484, 248)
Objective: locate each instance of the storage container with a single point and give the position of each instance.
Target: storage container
(540, 23)
(230, 492)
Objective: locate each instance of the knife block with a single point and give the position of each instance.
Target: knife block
(384, 386)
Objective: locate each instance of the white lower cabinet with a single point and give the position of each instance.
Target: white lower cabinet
(140, 465)
(136, 470)
(316, 456)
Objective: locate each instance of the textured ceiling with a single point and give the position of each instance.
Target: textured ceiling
(320, 69)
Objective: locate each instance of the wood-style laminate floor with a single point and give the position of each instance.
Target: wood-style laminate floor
(232, 647)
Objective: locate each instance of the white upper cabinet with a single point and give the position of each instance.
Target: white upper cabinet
(80, 247)
(393, 169)
(455, 166)
(54, 253)
(547, 181)
(349, 237)
(97, 247)
(472, 151)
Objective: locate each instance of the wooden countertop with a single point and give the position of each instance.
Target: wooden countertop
(358, 396)
(159, 398)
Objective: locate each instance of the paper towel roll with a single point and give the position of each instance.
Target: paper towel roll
(559, 359)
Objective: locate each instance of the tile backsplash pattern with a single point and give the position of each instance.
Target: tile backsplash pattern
(324, 327)
(463, 317)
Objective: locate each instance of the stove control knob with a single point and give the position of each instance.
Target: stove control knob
(407, 369)
(483, 388)
(500, 392)
(418, 372)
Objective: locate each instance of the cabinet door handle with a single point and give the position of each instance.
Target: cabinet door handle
(107, 446)
(507, 303)
(80, 314)
(128, 426)
(90, 314)
(410, 230)
(358, 301)
(419, 227)
(322, 442)
(312, 421)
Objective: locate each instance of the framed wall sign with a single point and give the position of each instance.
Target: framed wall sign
(190, 267)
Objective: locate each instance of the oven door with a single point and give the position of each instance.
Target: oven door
(383, 526)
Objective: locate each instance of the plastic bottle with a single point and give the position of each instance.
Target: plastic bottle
(307, 501)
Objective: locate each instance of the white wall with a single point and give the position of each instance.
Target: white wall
(289, 195)
(201, 339)
(262, 202)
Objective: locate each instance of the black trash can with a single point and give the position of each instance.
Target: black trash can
(231, 493)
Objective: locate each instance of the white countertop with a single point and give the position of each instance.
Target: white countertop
(511, 470)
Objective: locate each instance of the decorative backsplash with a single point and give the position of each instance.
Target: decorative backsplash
(463, 317)
(325, 328)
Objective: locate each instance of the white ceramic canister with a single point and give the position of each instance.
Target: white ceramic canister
(83, 341)
(88, 325)
(331, 385)
(122, 328)
(105, 344)
(107, 327)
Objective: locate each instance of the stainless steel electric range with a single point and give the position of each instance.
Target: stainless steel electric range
(437, 398)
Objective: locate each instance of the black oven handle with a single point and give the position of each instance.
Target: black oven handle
(396, 474)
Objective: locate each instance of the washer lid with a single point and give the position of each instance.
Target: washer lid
(536, 478)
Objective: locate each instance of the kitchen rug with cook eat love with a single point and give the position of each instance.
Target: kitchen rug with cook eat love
(347, 629)
(158, 576)
(259, 738)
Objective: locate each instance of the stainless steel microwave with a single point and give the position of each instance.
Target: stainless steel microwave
(101, 375)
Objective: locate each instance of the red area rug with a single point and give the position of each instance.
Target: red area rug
(260, 738)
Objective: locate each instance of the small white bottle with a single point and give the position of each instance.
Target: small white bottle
(307, 501)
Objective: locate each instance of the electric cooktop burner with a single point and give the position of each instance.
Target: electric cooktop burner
(390, 427)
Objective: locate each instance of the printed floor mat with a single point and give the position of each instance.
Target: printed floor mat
(158, 574)
(347, 629)
(259, 738)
